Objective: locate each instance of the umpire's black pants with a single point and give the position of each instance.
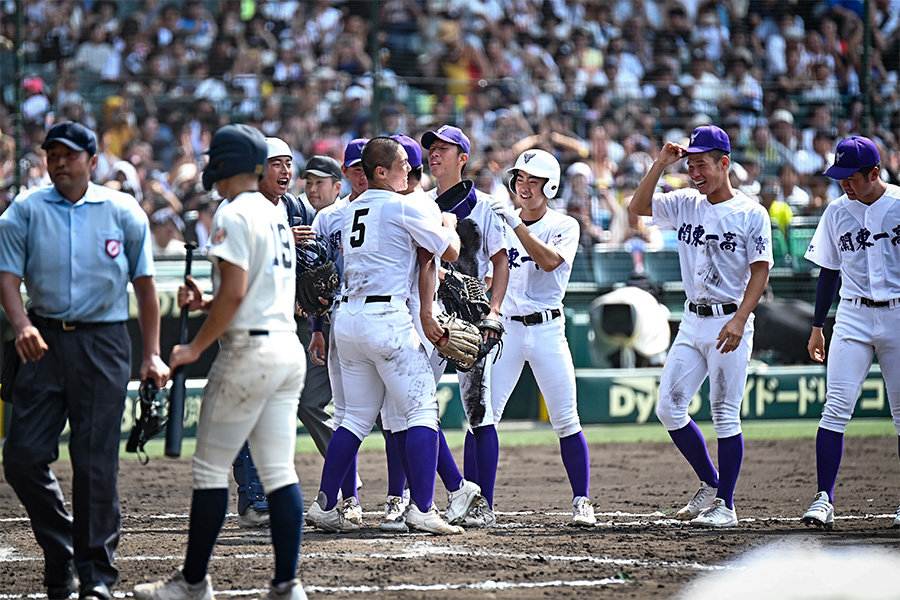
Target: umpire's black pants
(83, 377)
(316, 394)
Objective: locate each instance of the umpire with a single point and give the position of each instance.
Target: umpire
(76, 245)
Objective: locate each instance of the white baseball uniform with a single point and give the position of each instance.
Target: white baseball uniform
(537, 295)
(381, 355)
(716, 245)
(254, 383)
(482, 235)
(863, 242)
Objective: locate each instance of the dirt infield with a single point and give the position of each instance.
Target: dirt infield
(634, 552)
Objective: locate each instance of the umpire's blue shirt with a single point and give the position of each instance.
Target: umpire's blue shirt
(76, 259)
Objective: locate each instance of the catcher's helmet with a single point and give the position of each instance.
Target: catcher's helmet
(235, 149)
(537, 163)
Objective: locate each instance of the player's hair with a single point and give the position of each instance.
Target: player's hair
(416, 173)
(379, 152)
(866, 170)
(716, 155)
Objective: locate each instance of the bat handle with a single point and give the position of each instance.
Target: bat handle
(175, 425)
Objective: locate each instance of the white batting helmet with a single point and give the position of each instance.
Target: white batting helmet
(537, 163)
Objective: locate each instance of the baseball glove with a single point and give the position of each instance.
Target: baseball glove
(487, 346)
(463, 296)
(153, 404)
(463, 342)
(317, 277)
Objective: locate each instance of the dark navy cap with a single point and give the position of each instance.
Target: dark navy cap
(448, 133)
(74, 135)
(851, 155)
(323, 166)
(709, 137)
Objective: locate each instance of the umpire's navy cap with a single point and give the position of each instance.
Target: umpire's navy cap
(74, 135)
(851, 155)
(708, 137)
(323, 166)
(448, 133)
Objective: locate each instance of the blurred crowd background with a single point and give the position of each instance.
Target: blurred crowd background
(600, 83)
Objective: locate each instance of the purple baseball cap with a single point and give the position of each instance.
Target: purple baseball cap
(709, 137)
(413, 150)
(448, 133)
(353, 151)
(851, 155)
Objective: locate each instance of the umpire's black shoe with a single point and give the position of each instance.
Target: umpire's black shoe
(61, 582)
(95, 591)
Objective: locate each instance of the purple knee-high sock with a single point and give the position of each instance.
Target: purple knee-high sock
(396, 473)
(400, 442)
(446, 465)
(575, 457)
(348, 486)
(487, 454)
(829, 450)
(340, 456)
(692, 446)
(731, 454)
(422, 454)
(470, 463)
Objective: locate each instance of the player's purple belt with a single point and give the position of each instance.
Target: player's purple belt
(871, 303)
(709, 310)
(538, 317)
(48, 323)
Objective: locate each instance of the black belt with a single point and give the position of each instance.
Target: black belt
(538, 317)
(48, 323)
(370, 299)
(871, 303)
(707, 310)
(257, 332)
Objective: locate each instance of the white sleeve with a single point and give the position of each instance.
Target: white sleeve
(425, 231)
(759, 238)
(231, 239)
(823, 247)
(664, 211)
(564, 239)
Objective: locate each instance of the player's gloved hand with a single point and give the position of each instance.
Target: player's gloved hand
(505, 212)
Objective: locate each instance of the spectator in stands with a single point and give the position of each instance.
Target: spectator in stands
(746, 94)
(36, 104)
(93, 55)
(166, 229)
(791, 192)
(779, 211)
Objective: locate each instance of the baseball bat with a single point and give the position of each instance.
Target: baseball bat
(175, 424)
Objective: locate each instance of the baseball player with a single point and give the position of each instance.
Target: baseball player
(857, 242)
(483, 251)
(252, 506)
(254, 383)
(540, 264)
(725, 250)
(382, 358)
(76, 246)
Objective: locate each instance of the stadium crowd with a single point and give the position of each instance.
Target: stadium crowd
(601, 84)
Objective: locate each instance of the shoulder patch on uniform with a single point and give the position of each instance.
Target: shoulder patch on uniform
(219, 236)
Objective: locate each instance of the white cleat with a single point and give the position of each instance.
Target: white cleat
(717, 515)
(702, 500)
(174, 588)
(332, 520)
(583, 512)
(289, 590)
(481, 516)
(460, 502)
(897, 519)
(820, 513)
(429, 522)
(394, 518)
(352, 511)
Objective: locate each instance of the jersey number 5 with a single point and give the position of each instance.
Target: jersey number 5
(358, 231)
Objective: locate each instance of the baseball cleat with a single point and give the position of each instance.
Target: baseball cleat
(174, 588)
(288, 590)
(481, 516)
(460, 502)
(394, 520)
(253, 518)
(820, 513)
(583, 512)
(429, 522)
(702, 500)
(897, 519)
(352, 510)
(332, 520)
(717, 515)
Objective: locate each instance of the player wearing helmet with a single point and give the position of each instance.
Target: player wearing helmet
(540, 263)
(258, 373)
(725, 250)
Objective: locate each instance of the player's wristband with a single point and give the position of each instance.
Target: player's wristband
(316, 324)
(826, 288)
